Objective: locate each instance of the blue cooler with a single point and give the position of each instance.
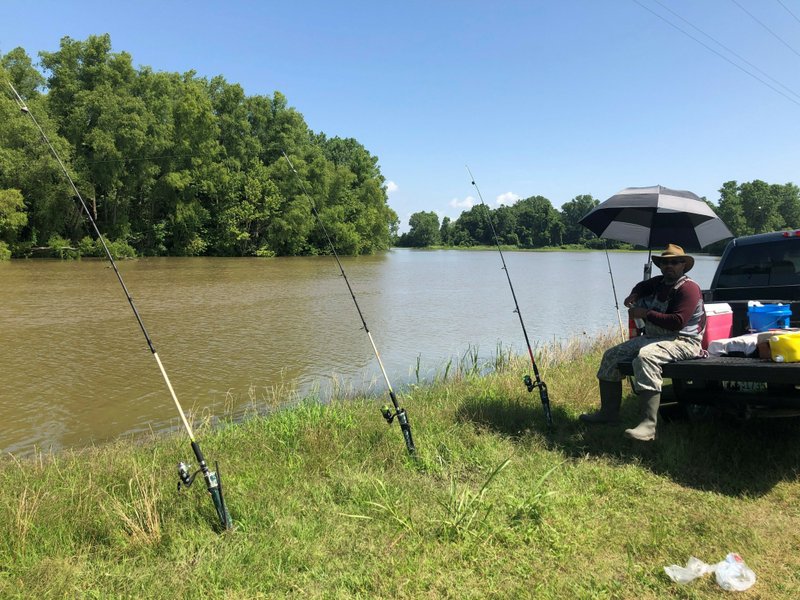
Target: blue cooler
(769, 316)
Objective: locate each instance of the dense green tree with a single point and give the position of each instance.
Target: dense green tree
(242, 224)
(19, 69)
(91, 94)
(230, 107)
(280, 129)
(504, 220)
(178, 164)
(538, 223)
(12, 214)
(572, 212)
(730, 209)
(423, 230)
(356, 186)
(757, 207)
(471, 228)
(446, 232)
(788, 204)
(27, 165)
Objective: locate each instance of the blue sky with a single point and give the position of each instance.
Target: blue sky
(542, 97)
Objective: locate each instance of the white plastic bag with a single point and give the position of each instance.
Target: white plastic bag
(733, 574)
(694, 568)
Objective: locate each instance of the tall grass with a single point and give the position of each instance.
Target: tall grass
(327, 503)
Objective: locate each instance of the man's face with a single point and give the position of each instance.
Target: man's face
(672, 268)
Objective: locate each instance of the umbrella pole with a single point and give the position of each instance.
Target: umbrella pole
(648, 273)
(648, 266)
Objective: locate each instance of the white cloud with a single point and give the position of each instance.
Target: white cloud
(508, 198)
(391, 186)
(467, 202)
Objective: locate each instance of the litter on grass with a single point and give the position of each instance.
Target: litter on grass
(732, 574)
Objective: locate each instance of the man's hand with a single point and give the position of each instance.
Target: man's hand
(630, 300)
(637, 312)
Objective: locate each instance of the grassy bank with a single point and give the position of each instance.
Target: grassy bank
(328, 505)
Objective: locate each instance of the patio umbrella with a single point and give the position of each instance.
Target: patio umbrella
(656, 216)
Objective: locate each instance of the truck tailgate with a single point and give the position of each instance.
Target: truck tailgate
(729, 368)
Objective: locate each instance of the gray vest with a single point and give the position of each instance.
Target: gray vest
(692, 329)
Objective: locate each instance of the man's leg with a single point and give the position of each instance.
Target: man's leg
(610, 400)
(645, 431)
(610, 381)
(647, 368)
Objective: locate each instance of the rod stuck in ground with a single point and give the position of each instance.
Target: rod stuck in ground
(212, 479)
(390, 413)
(536, 382)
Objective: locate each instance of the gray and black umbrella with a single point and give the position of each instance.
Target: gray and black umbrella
(653, 217)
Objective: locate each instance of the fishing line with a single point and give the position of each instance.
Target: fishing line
(386, 411)
(529, 383)
(213, 480)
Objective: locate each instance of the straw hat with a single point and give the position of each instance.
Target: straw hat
(675, 251)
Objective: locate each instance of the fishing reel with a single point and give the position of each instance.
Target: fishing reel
(405, 426)
(400, 414)
(387, 413)
(214, 485)
(184, 477)
(529, 383)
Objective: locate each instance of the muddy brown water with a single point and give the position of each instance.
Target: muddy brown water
(76, 369)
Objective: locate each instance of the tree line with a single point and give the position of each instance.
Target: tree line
(746, 208)
(173, 164)
(176, 164)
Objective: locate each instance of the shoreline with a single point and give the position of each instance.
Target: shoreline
(327, 503)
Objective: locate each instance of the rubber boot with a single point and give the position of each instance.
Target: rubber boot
(646, 430)
(610, 399)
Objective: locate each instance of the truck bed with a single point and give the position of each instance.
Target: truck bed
(728, 368)
(745, 387)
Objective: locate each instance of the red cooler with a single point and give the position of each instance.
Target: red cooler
(719, 322)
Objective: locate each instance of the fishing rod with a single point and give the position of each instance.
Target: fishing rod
(388, 412)
(212, 478)
(639, 331)
(614, 290)
(529, 383)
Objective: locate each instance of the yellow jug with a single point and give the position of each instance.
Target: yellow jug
(785, 347)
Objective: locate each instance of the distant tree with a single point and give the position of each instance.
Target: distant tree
(445, 232)
(504, 221)
(241, 226)
(730, 209)
(471, 228)
(757, 207)
(24, 76)
(572, 212)
(423, 230)
(538, 223)
(789, 204)
(27, 166)
(229, 104)
(12, 214)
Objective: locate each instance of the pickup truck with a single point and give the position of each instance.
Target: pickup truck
(763, 267)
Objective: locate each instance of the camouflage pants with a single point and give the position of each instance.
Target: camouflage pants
(648, 354)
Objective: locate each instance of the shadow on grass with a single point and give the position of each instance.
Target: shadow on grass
(717, 453)
(505, 417)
